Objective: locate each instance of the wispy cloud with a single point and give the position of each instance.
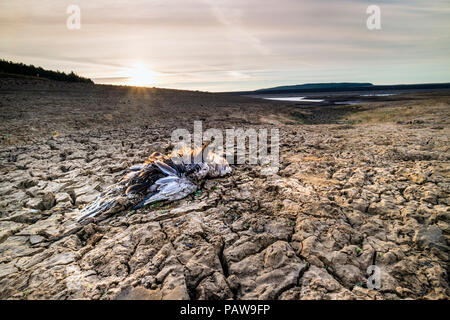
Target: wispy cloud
(231, 17)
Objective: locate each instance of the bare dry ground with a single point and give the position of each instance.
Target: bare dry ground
(357, 185)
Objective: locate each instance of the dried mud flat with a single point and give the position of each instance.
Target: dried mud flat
(355, 185)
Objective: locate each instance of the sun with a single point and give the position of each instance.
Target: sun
(140, 76)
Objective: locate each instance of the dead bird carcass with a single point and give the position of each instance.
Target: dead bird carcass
(159, 178)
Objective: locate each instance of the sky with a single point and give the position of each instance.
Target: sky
(231, 45)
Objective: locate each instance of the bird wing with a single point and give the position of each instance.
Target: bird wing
(166, 169)
(169, 188)
(157, 179)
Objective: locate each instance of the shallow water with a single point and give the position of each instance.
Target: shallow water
(348, 102)
(299, 99)
(378, 95)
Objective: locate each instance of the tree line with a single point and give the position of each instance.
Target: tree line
(30, 70)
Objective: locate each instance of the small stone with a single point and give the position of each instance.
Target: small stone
(35, 239)
(48, 201)
(35, 203)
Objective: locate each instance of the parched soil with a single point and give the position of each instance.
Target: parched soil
(357, 186)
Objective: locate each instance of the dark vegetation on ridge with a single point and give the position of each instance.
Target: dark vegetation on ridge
(10, 68)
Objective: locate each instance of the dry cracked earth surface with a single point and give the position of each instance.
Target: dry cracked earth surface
(357, 186)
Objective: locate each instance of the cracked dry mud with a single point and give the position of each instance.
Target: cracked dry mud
(347, 193)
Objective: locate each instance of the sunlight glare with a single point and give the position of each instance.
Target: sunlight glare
(140, 76)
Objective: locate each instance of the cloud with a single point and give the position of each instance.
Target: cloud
(231, 17)
(218, 44)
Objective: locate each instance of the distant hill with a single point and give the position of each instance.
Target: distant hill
(12, 69)
(341, 87)
(309, 86)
